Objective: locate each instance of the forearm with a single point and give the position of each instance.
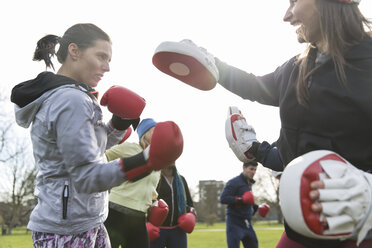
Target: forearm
(114, 136)
(97, 177)
(122, 150)
(247, 85)
(267, 155)
(227, 197)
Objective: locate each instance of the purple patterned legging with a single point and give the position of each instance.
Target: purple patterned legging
(94, 238)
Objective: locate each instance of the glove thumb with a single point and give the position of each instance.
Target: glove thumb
(104, 100)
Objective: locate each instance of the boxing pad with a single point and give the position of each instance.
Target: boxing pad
(188, 63)
(165, 148)
(276, 174)
(125, 105)
(158, 212)
(263, 209)
(239, 135)
(187, 222)
(346, 199)
(153, 232)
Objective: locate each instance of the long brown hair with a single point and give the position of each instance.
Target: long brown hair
(342, 26)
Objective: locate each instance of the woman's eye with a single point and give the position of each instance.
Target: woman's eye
(102, 57)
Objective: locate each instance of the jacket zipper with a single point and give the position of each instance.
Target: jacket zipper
(65, 195)
(172, 205)
(170, 184)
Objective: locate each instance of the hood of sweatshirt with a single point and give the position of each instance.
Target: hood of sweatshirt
(29, 95)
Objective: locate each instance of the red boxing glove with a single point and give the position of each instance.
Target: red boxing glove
(187, 222)
(125, 105)
(263, 209)
(128, 132)
(158, 212)
(153, 232)
(248, 198)
(123, 102)
(165, 148)
(166, 145)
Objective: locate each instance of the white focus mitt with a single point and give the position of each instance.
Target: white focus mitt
(276, 174)
(188, 63)
(346, 199)
(239, 134)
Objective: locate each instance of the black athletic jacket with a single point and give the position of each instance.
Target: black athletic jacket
(338, 118)
(169, 195)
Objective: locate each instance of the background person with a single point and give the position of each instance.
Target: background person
(237, 194)
(173, 189)
(129, 202)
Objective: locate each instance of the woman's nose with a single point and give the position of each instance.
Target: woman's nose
(288, 15)
(106, 67)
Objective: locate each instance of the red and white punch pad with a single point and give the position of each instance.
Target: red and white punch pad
(187, 62)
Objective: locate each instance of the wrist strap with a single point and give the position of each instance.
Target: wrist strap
(123, 124)
(133, 162)
(135, 167)
(253, 150)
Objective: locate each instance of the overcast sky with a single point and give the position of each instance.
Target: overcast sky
(245, 33)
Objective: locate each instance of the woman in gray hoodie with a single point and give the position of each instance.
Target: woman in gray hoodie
(69, 139)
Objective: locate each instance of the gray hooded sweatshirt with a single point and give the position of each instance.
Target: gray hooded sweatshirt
(69, 140)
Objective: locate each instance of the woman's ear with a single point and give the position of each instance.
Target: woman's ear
(73, 51)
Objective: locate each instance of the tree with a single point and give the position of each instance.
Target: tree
(19, 172)
(266, 190)
(20, 199)
(211, 219)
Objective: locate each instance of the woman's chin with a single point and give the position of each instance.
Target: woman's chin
(92, 84)
(301, 39)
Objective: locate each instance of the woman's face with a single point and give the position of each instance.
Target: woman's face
(92, 63)
(149, 133)
(168, 171)
(146, 138)
(304, 14)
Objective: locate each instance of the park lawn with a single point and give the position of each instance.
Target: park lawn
(268, 235)
(19, 238)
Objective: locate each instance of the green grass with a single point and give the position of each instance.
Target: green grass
(268, 235)
(19, 238)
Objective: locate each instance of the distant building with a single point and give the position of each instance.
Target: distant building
(209, 203)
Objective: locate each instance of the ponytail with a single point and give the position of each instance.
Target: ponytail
(45, 49)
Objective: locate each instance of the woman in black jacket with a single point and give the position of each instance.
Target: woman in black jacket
(173, 189)
(324, 94)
